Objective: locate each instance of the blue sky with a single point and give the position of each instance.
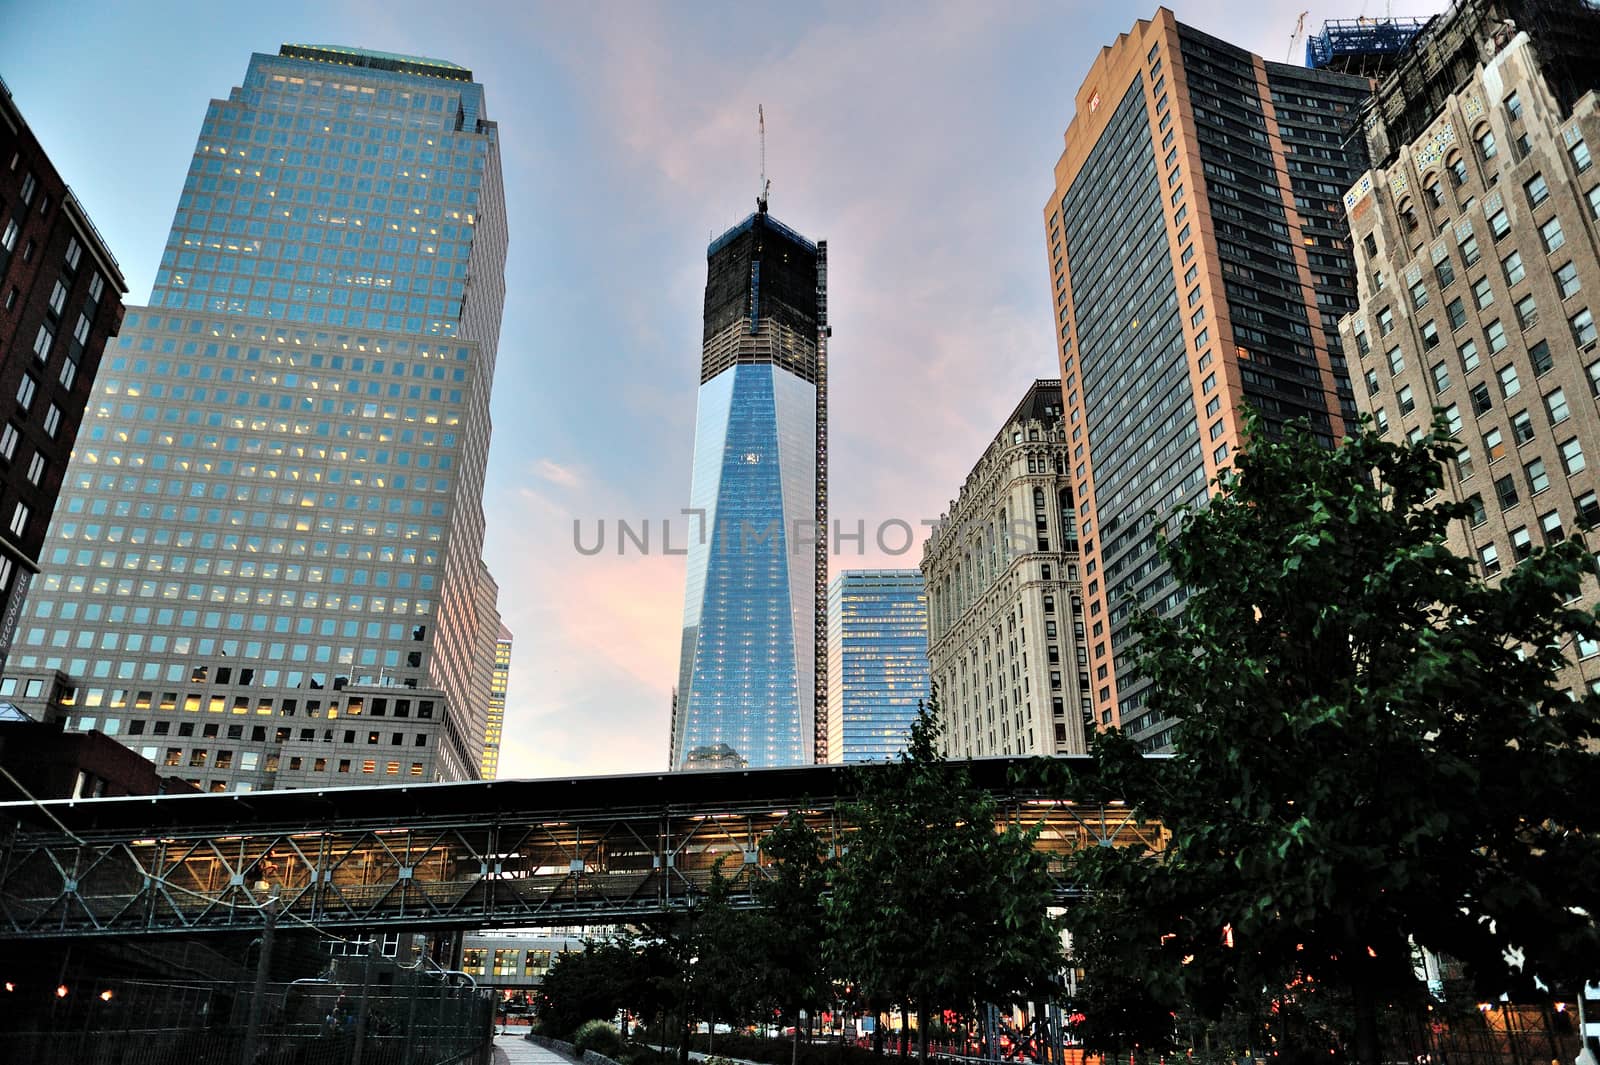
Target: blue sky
(918, 139)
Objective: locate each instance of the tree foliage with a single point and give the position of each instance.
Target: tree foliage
(931, 907)
(1372, 748)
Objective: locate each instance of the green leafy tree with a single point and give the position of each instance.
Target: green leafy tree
(931, 907)
(792, 924)
(1372, 749)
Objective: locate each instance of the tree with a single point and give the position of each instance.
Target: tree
(932, 907)
(792, 923)
(1371, 751)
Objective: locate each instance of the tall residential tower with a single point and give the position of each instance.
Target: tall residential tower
(753, 673)
(266, 566)
(1199, 263)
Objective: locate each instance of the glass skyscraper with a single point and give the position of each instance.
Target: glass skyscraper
(877, 662)
(754, 627)
(265, 568)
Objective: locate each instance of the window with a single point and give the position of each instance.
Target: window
(1583, 331)
(74, 253)
(1505, 490)
(1580, 155)
(1588, 509)
(1469, 355)
(1512, 265)
(69, 373)
(1477, 514)
(8, 237)
(1539, 355)
(1572, 459)
(1441, 377)
(1397, 361)
(1521, 543)
(1457, 313)
(1445, 273)
(25, 392)
(1551, 525)
(1458, 169)
(1495, 334)
(1509, 382)
(1380, 420)
(1537, 190)
(1494, 445)
(1482, 293)
(1373, 387)
(1594, 201)
(1407, 404)
(1513, 107)
(1522, 427)
(1408, 215)
(1567, 280)
(1464, 465)
(1452, 419)
(58, 299)
(1594, 378)
(52, 420)
(9, 436)
(1385, 322)
(41, 343)
(1482, 401)
(19, 519)
(1370, 242)
(1430, 189)
(36, 468)
(1489, 560)
(1419, 295)
(1469, 251)
(1430, 335)
(1556, 403)
(1499, 224)
(1486, 147)
(1551, 234)
(29, 184)
(1527, 313)
(1538, 479)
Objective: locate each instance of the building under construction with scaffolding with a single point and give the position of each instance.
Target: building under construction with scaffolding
(1365, 47)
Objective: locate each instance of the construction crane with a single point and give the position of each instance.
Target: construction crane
(766, 186)
(1299, 31)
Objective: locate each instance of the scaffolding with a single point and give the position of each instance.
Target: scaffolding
(1365, 47)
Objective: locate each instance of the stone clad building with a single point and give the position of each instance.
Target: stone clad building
(1477, 238)
(1005, 604)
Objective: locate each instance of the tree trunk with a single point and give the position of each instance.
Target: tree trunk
(794, 1048)
(877, 1034)
(1366, 1010)
(922, 1034)
(711, 1034)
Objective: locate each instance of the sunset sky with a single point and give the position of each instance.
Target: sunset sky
(917, 139)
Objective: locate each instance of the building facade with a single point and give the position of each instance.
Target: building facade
(877, 662)
(495, 726)
(1005, 606)
(62, 299)
(1477, 235)
(1199, 263)
(266, 568)
(752, 680)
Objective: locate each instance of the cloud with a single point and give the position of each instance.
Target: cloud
(555, 473)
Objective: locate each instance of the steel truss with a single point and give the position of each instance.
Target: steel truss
(478, 862)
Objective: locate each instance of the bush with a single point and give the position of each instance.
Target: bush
(598, 1036)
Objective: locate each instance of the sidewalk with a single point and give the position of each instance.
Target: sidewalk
(513, 1049)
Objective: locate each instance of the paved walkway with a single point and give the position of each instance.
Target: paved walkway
(515, 1050)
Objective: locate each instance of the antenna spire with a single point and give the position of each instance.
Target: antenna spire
(766, 186)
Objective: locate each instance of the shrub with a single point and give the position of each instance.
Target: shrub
(598, 1036)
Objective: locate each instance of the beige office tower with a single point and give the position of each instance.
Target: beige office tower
(1479, 270)
(1005, 606)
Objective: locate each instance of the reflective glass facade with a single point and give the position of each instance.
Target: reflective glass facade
(877, 662)
(275, 508)
(747, 685)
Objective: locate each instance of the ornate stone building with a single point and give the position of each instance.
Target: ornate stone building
(1005, 641)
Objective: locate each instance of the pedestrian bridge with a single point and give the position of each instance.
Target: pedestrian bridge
(482, 854)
